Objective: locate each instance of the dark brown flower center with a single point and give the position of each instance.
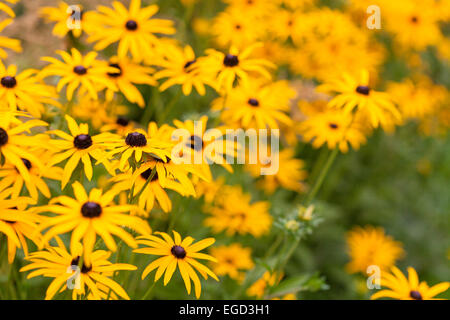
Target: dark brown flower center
(84, 269)
(195, 143)
(147, 173)
(9, 82)
(27, 163)
(178, 252)
(188, 64)
(414, 19)
(365, 90)
(115, 74)
(415, 295)
(253, 102)
(131, 25)
(82, 141)
(91, 210)
(122, 121)
(136, 139)
(80, 70)
(3, 137)
(333, 125)
(230, 60)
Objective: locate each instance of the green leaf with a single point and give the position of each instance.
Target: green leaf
(305, 282)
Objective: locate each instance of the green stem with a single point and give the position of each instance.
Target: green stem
(149, 291)
(322, 175)
(170, 106)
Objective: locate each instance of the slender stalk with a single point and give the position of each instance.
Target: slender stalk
(321, 177)
(170, 107)
(149, 291)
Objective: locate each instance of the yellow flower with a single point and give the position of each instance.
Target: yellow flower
(179, 252)
(267, 280)
(252, 8)
(134, 29)
(231, 260)
(12, 178)
(289, 175)
(77, 71)
(232, 28)
(257, 104)
(5, 8)
(235, 214)
(139, 142)
(178, 66)
(234, 65)
(6, 42)
(17, 223)
(334, 128)
(402, 288)
(356, 93)
(128, 74)
(24, 90)
(95, 276)
(61, 16)
(371, 246)
(89, 215)
(12, 143)
(80, 146)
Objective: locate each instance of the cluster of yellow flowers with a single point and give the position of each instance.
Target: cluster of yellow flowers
(68, 123)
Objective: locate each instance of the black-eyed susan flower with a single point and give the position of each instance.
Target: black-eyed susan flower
(177, 65)
(290, 174)
(92, 281)
(261, 285)
(236, 64)
(8, 43)
(24, 90)
(401, 288)
(13, 179)
(257, 104)
(13, 140)
(371, 246)
(77, 71)
(78, 146)
(67, 20)
(136, 144)
(18, 223)
(177, 252)
(235, 214)
(259, 8)
(334, 128)
(127, 75)
(90, 215)
(356, 93)
(203, 147)
(133, 28)
(5, 8)
(232, 260)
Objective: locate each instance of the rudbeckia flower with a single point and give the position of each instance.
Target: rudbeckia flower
(257, 105)
(177, 252)
(371, 246)
(356, 93)
(134, 29)
(79, 146)
(77, 71)
(6, 42)
(5, 8)
(267, 280)
(334, 128)
(89, 215)
(95, 276)
(24, 90)
(234, 214)
(402, 288)
(12, 143)
(178, 66)
(232, 260)
(12, 178)
(234, 65)
(127, 75)
(138, 142)
(17, 223)
(61, 16)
